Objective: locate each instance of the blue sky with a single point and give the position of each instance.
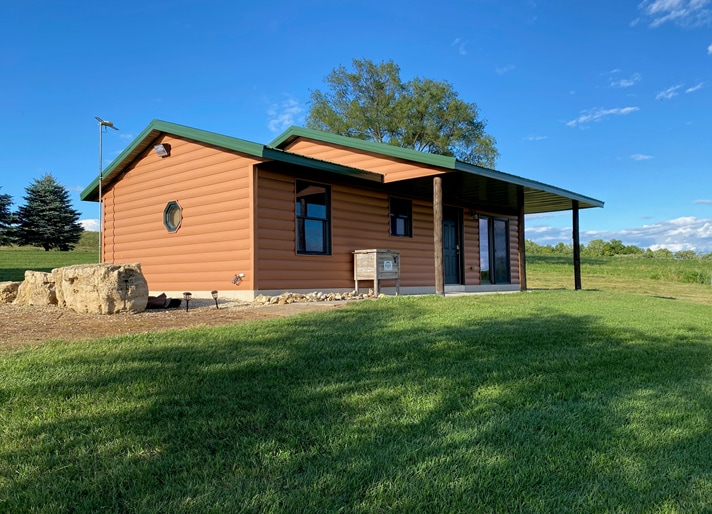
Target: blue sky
(610, 99)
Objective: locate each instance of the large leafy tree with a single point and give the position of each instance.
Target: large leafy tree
(47, 220)
(5, 220)
(372, 102)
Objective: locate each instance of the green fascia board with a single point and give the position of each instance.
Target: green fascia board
(158, 127)
(407, 154)
(585, 201)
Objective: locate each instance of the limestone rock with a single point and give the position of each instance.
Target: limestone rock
(101, 288)
(8, 291)
(37, 289)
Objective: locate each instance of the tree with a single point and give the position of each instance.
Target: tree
(6, 219)
(47, 220)
(373, 103)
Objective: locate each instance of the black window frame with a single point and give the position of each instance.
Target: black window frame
(304, 216)
(497, 257)
(400, 209)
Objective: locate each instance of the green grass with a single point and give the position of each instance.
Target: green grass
(15, 260)
(551, 401)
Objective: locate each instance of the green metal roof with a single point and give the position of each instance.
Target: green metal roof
(156, 128)
(538, 197)
(466, 183)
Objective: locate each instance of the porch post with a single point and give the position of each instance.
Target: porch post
(438, 234)
(522, 245)
(577, 246)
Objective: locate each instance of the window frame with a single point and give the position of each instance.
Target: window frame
(304, 217)
(167, 222)
(405, 212)
(493, 246)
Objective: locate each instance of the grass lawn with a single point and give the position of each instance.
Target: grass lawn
(550, 401)
(14, 260)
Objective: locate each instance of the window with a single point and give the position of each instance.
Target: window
(172, 216)
(494, 250)
(401, 214)
(313, 219)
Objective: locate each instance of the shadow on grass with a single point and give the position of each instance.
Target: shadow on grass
(384, 406)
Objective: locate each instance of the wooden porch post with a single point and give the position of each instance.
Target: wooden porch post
(438, 235)
(577, 246)
(522, 244)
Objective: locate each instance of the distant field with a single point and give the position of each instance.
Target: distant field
(690, 280)
(14, 260)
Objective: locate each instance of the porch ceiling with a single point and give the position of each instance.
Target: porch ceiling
(481, 192)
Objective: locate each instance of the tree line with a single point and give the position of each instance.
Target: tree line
(612, 248)
(46, 220)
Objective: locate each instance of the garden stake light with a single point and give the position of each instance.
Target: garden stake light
(215, 297)
(187, 296)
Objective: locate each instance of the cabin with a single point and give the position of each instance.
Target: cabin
(202, 211)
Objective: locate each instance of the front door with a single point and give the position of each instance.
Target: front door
(451, 247)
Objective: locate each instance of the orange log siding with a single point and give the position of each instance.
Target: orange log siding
(391, 168)
(214, 242)
(359, 220)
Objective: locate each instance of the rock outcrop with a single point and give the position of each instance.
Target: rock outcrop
(101, 288)
(37, 289)
(8, 291)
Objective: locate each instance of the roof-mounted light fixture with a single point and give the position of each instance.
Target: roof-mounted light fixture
(162, 150)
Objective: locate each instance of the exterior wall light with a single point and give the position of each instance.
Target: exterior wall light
(215, 297)
(162, 150)
(187, 296)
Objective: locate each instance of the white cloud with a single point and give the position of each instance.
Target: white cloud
(684, 233)
(284, 114)
(709, 50)
(703, 202)
(640, 157)
(504, 69)
(91, 225)
(535, 138)
(668, 93)
(624, 82)
(125, 135)
(683, 13)
(460, 45)
(594, 115)
(695, 88)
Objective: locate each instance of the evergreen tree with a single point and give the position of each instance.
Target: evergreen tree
(5, 220)
(47, 219)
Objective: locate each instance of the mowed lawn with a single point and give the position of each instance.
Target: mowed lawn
(548, 401)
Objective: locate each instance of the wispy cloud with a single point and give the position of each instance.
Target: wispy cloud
(595, 115)
(668, 93)
(709, 50)
(460, 45)
(535, 138)
(703, 202)
(284, 114)
(684, 233)
(125, 135)
(501, 70)
(641, 157)
(683, 13)
(695, 88)
(616, 81)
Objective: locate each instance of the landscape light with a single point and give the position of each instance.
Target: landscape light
(187, 296)
(215, 297)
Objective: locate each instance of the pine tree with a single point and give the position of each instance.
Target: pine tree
(47, 219)
(5, 220)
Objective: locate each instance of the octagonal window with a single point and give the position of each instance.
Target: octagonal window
(172, 216)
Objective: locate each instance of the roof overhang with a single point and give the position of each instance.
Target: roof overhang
(158, 128)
